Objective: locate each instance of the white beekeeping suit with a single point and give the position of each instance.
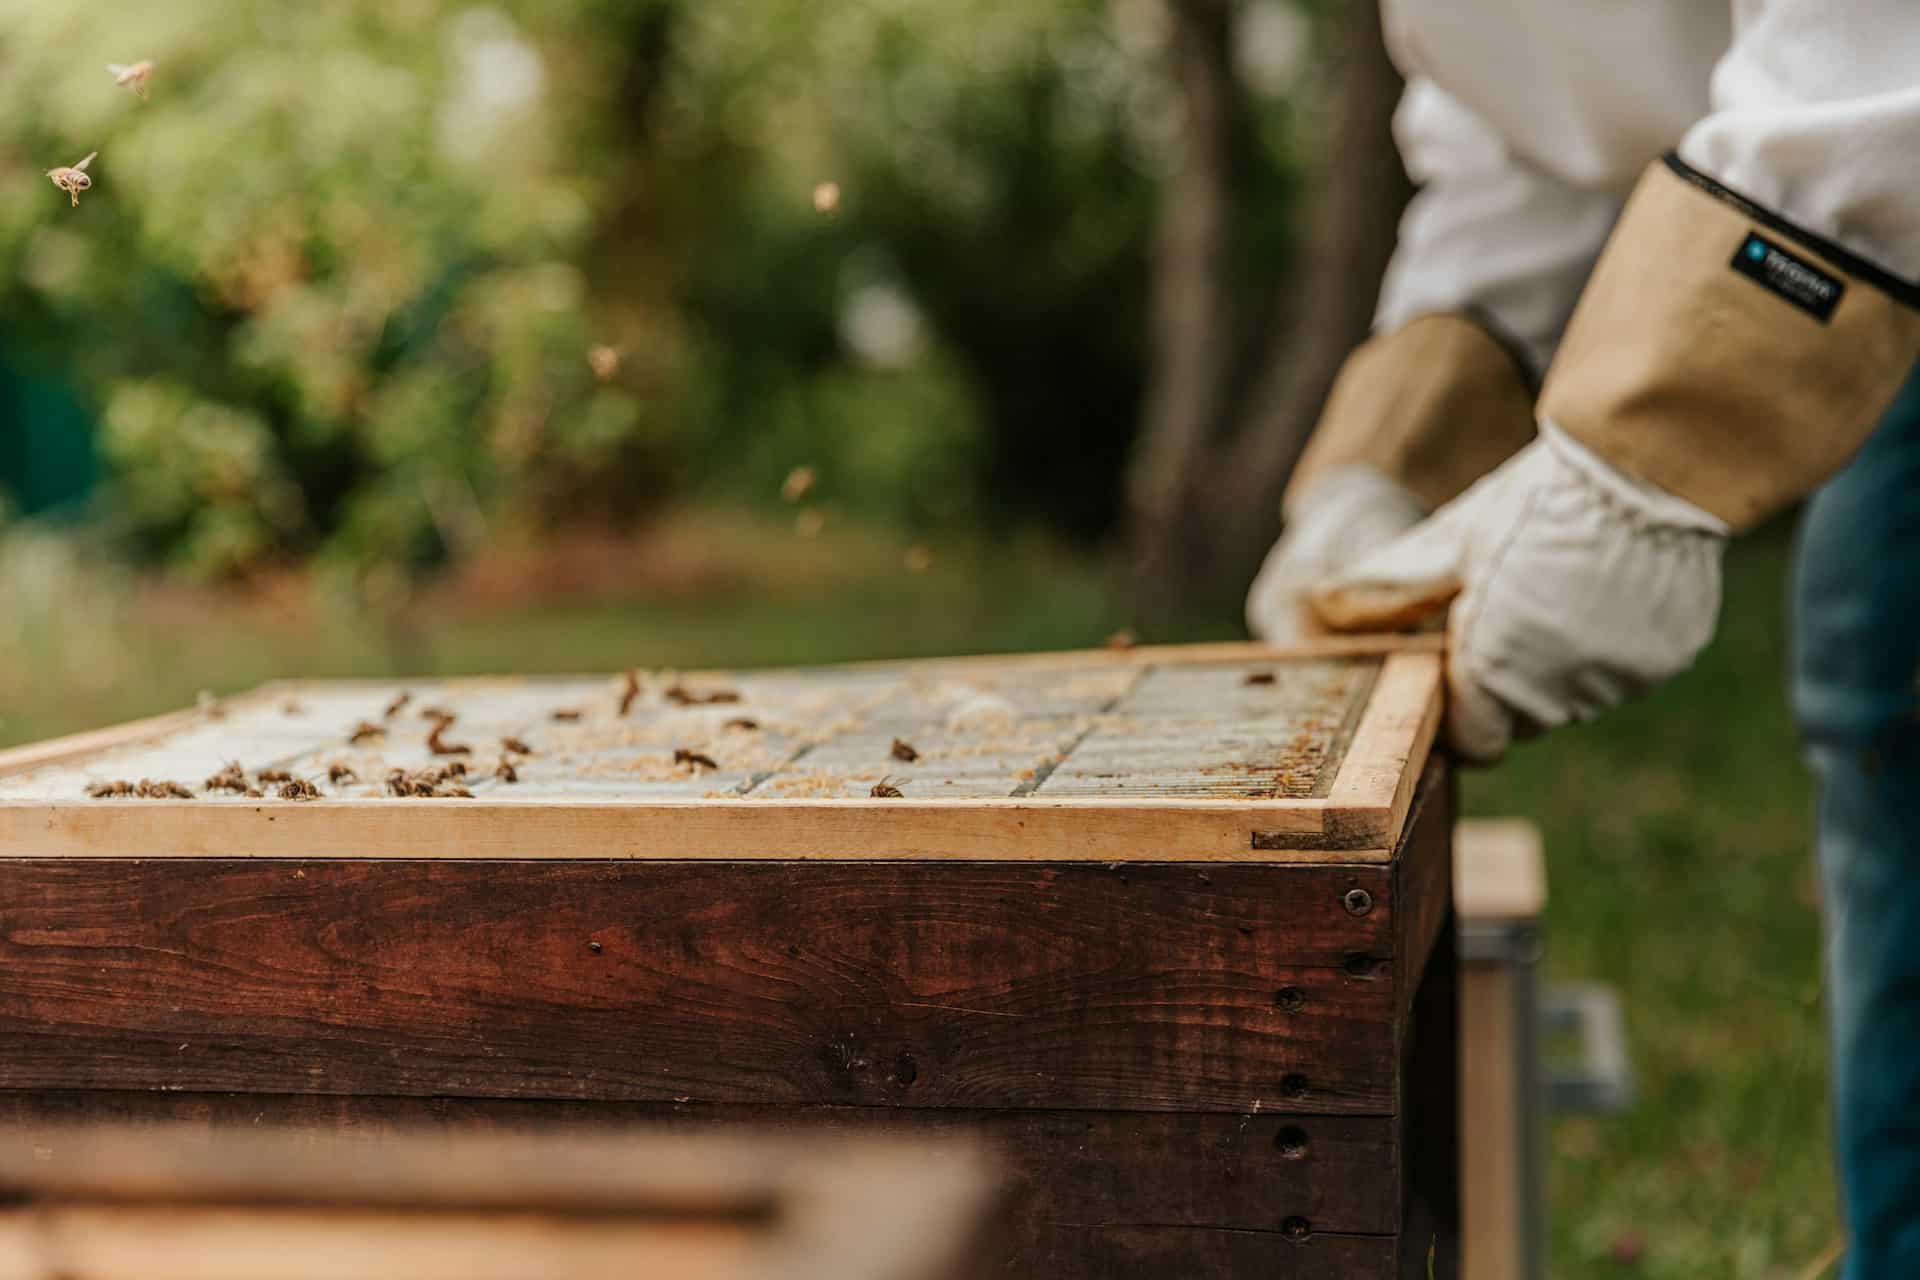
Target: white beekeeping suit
(1752, 173)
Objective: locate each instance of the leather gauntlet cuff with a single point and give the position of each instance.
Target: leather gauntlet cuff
(1725, 355)
(1435, 404)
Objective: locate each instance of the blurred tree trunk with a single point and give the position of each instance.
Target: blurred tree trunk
(1190, 338)
(1210, 506)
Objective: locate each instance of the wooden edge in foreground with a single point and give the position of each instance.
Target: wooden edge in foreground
(109, 1204)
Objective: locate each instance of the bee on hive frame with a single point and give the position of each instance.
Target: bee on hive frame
(73, 179)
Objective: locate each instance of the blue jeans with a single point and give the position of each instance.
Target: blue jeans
(1856, 693)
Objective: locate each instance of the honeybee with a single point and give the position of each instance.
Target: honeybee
(398, 704)
(885, 790)
(694, 759)
(903, 750)
(232, 778)
(340, 773)
(132, 75)
(73, 179)
(299, 789)
(365, 731)
(440, 747)
(566, 715)
(517, 746)
(605, 362)
(110, 790)
(505, 771)
(799, 483)
(630, 692)
(273, 775)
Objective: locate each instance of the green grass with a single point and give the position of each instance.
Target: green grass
(1677, 829)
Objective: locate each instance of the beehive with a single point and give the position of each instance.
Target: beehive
(1168, 925)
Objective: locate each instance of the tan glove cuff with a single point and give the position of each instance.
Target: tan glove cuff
(1435, 404)
(1726, 356)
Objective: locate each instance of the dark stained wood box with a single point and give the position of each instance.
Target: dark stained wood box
(1170, 927)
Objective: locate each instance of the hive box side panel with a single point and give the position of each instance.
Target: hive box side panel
(1135, 986)
(1060, 1168)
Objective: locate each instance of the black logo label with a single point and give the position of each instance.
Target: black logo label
(1798, 281)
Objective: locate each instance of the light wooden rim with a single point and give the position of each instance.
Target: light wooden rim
(1360, 819)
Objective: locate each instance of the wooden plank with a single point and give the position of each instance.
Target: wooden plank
(1118, 1252)
(291, 1204)
(1246, 1172)
(1029, 829)
(1154, 762)
(1368, 802)
(1133, 986)
(1423, 876)
(1500, 871)
(88, 1242)
(1490, 1132)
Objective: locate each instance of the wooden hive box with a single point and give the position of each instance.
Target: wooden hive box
(1170, 927)
(176, 1202)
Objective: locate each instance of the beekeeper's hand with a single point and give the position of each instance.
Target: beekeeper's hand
(1347, 512)
(1573, 586)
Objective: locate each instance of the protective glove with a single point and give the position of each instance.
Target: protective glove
(1573, 587)
(1347, 512)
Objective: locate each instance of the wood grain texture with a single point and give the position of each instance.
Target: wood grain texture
(814, 830)
(1137, 986)
(1367, 806)
(1249, 1172)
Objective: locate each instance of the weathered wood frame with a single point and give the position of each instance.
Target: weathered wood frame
(1359, 821)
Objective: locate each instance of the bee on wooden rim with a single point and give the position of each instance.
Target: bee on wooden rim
(885, 790)
(132, 75)
(73, 178)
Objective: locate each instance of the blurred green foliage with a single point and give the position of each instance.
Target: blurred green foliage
(334, 289)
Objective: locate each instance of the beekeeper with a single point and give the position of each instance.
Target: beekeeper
(1657, 286)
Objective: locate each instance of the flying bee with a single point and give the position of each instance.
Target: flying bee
(73, 179)
(133, 75)
(517, 746)
(340, 773)
(904, 750)
(505, 771)
(693, 759)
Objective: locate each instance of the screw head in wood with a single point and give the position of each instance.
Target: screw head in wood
(1296, 1228)
(1293, 1085)
(1292, 1142)
(1290, 998)
(1357, 902)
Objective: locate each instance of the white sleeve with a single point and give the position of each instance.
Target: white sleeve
(1488, 232)
(1816, 119)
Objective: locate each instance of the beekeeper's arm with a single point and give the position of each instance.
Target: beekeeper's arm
(1491, 257)
(1751, 318)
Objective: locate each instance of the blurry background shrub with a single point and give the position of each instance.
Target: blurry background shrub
(333, 292)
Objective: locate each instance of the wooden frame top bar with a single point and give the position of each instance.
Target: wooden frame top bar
(1353, 812)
